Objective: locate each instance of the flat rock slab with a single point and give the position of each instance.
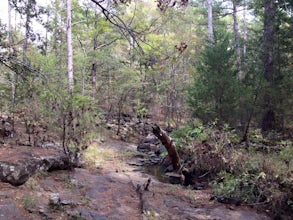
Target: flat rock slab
(9, 210)
(17, 164)
(194, 205)
(109, 196)
(108, 193)
(83, 195)
(223, 213)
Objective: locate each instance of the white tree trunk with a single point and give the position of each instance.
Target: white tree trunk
(210, 21)
(11, 51)
(27, 31)
(244, 29)
(9, 23)
(237, 41)
(94, 64)
(69, 48)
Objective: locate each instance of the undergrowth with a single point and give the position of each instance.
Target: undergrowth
(258, 174)
(98, 154)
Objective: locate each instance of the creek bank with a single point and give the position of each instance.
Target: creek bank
(110, 192)
(149, 156)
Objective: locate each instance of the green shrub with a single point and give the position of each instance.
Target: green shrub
(257, 178)
(244, 186)
(186, 135)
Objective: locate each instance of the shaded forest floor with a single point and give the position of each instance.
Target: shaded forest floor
(111, 185)
(109, 188)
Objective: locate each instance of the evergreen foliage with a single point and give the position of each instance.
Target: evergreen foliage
(215, 93)
(151, 59)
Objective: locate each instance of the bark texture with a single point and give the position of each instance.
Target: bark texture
(237, 41)
(210, 21)
(269, 121)
(269, 39)
(169, 145)
(69, 48)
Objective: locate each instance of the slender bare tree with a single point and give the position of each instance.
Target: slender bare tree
(28, 7)
(11, 51)
(69, 48)
(94, 64)
(269, 120)
(244, 27)
(270, 8)
(210, 20)
(237, 40)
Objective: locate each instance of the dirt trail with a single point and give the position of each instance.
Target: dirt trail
(109, 190)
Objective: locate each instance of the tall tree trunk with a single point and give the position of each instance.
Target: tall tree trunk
(210, 21)
(70, 114)
(269, 121)
(94, 64)
(55, 22)
(9, 23)
(170, 97)
(58, 39)
(10, 41)
(237, 40)
(11, 50)
(46, 37)
(268, 39)
(94, 79)
(69, 48)
(244, 31)
(27, 30)
(240, 74)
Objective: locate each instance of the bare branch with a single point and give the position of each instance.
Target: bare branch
(13, 65)
(120, 24)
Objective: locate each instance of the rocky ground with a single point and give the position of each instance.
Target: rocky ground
(115, 183)
(111, 188)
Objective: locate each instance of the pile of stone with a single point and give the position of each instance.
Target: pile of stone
(127, 125)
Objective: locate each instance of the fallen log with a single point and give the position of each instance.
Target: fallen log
(170, 147)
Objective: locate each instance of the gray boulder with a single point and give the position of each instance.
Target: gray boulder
(18, 172)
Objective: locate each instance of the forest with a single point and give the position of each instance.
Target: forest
(202, 88)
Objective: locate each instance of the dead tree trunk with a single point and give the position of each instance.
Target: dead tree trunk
(170, 147)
